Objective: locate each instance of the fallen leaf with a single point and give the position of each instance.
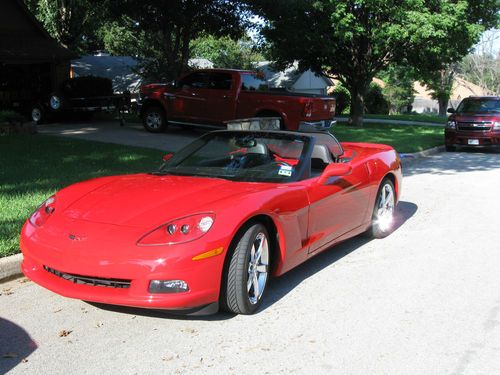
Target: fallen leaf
(64, 333)
(24, 360)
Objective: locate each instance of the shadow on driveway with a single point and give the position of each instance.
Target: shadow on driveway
(279, 287)
(449, 163)
(15, 345)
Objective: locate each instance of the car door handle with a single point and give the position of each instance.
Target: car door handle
(226, 97)
(194, 94)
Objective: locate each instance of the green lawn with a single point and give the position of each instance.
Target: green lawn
(417, 118)
(34, 167)
(404, 138)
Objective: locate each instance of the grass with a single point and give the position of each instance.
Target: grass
(404, 138)
(416, 117)
(34, 167)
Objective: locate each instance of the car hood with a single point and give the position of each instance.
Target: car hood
(148, 200)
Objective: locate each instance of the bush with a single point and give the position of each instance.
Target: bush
(10, 116)
(375, 102)
(343, 99)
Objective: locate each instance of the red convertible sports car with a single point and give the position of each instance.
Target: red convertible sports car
(217, 219)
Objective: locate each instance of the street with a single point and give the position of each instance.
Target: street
(425, 300)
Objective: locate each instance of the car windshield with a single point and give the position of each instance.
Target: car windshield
(242, 156)
(485, 105)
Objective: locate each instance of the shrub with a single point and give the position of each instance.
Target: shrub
(375, 102)
(343, 99)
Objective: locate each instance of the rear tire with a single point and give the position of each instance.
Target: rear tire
(248, 271)
(450, 148)
(383, 212)
(37, 114)
(154, 119)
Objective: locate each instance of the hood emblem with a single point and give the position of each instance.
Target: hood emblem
(74, 237)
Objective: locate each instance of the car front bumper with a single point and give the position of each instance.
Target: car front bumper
(203, 277)
(472, 138)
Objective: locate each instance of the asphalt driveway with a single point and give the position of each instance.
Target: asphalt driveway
(132, 134)
(425, 300)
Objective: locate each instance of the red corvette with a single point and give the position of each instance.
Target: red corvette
(213, 223)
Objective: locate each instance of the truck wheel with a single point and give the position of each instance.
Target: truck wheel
(154, 119)
(450, 148)
(37, 114)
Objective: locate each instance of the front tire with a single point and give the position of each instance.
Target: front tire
(383, 212)
(154, 119)
(248, 271)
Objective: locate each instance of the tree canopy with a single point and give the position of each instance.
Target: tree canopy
(353, 40)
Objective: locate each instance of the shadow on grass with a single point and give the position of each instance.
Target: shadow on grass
(15, 345)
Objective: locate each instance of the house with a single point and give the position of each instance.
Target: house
(294, 80)
(122, 70)
(32, 64)
(424, 103)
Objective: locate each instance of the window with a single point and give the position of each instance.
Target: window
(198, 80)
(220, 81)
(254, 82)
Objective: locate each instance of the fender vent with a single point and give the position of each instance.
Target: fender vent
(89, 280)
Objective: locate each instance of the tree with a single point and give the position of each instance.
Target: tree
(74, 23)
(483, 70)
(353, 40)
(225, 52)
(170, 26)
(398, 89)
(440, 82)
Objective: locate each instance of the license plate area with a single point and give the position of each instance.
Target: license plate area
(473, 142)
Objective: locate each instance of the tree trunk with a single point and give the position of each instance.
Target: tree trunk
(358, 92)
(443, 105)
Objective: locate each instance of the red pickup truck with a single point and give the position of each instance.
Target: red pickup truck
(213, 96)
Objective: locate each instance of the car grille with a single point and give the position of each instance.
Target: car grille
(89, 280)
(474, 126)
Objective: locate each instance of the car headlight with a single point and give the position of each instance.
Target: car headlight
(178, 231)
(43, 212)
(496, 125)
(451, 124)
(55, 102)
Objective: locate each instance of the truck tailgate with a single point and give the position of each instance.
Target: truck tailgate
(320, 108)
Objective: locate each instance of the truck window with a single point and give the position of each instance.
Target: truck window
(220, 81)
(253, 82)
(198, 80)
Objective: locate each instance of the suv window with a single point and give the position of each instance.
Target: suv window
(253, 82)
(482, 105)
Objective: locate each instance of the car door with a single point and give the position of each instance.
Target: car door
(188, 102)
(220, 97)
(337, 207)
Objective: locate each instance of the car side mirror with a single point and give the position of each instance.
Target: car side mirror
(450, 110)
(334, 170)
(167, 157)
